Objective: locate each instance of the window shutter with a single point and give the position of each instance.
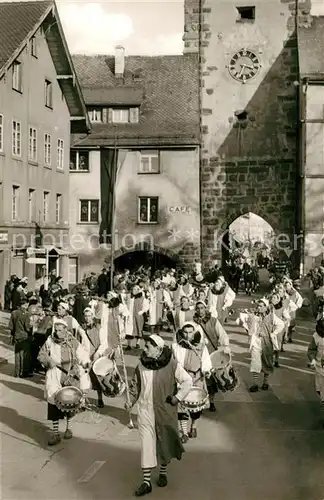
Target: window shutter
(134, 115)
(104, 116)
(110, 115)
(20, 76)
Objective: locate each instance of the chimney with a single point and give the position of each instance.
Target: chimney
(119, 61)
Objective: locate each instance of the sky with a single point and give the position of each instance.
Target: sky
(148, 27)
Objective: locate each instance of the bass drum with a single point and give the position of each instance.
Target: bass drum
(223, 371)
(108, 376)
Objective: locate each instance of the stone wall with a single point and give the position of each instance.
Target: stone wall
(248, 163)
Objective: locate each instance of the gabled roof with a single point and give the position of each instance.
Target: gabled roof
(19, 21)
(311, 49)
(165, 87)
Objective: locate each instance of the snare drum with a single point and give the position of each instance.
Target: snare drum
(108, 377)
(69, 399)
(223, 371)
(196, 400)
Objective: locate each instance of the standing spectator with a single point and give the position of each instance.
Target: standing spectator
(21, 331)
(18, 294)
(103, 283)
(9, 288)
(82, 301)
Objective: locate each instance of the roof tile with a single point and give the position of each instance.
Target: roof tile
(170, 89)
(17, 20)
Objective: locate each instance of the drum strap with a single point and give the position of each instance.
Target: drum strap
(67, 373)
(215, 347)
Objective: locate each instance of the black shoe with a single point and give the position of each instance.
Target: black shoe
(144, 489)
(276, 364)
(162, 481)
(193, 433)
(265, 387)
(289, 341)
(254, 388)
(212, 407)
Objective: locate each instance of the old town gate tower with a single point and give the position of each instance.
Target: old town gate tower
(249, 114)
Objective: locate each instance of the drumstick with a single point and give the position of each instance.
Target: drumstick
(130, 423)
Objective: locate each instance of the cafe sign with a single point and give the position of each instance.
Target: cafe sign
(180, 209)
(3, 237)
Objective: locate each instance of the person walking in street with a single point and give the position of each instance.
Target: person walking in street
(153, 389)
(98, 346)
(316, 359)
(216, 337)
(263, 327)
(66, 362)
(191, 352)
(21, 333)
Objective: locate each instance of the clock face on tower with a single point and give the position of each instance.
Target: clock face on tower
(244, 65)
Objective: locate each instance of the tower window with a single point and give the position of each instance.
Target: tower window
(246, 13)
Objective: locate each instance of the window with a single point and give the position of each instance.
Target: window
(31, 205)
(47, 149)
(15, 202)
(73, 270)
(149, 162)
(246, 13)
(45, 205)
(48, 94)
(95, 115)
(60, 153)
(16, 138)
(79, 160)
(17, 76)
(33, 46)
(58, 208)
(1, 132)
(89, 210)
(32, 144)
(148, 210)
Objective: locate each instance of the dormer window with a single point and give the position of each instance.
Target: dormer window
(124, 115)
(95, 115)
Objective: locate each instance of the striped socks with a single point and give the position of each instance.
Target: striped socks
(56, 426)
(184, 427)
(163, 470)
(147, 476)
(255, 378)
(68, 423)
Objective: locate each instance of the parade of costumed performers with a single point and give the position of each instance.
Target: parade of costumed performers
(316, 360)
(158, 385)
(263, 326)
(215, 337)
(66, 362)
(191, 352)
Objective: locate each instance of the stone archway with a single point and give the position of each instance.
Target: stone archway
(248, 234)
(142, 254)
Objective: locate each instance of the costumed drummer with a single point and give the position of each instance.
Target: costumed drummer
(66, 362)
(98, 346)
(216, 337)
(153, 389)
(191, 352)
